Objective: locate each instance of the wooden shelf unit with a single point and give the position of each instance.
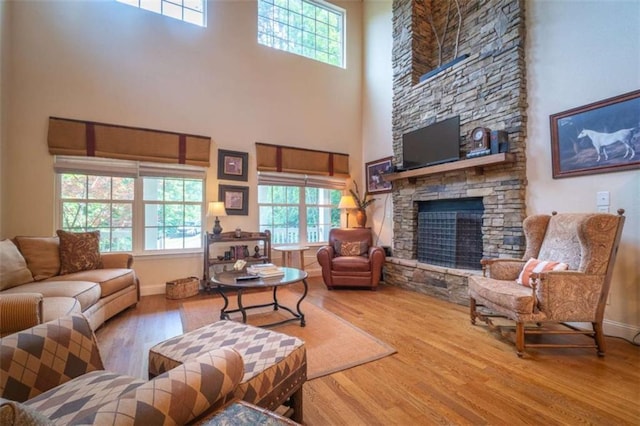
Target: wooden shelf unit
(477, 162)
(230, 239)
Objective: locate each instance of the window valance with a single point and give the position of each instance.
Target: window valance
(92, 139)
(276, 158)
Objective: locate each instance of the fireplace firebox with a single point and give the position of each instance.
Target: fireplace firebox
(450, 232)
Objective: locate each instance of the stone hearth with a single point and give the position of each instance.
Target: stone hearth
(487, 89)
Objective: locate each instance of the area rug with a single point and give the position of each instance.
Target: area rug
(333, 344)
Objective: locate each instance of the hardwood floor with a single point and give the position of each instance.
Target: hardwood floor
(446, 371)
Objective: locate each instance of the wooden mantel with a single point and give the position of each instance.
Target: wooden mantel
(479, 162)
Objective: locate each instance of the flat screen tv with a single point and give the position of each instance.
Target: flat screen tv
(434, 144)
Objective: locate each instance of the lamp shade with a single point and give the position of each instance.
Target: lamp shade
(347, 202)
(216, 208)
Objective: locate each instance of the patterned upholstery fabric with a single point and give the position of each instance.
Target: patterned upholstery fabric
(351, 248)
(503, 294)
(81, 396)
(535, 228)
(587, 243)
(504, 269)
(175, 397)
(178, 396)
(79, 251)
(86, 395)
(42, 357)
(274, 363)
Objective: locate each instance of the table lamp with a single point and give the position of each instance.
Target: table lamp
(216, 208)
(347, 203)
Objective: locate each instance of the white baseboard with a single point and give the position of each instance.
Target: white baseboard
(618, 329)
(150, 290)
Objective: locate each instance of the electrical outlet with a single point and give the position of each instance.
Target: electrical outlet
(602, 198)
(603, 209)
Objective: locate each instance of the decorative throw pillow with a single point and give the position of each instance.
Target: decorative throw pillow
(535, 265)
(42, 255)
(79, 251)
(351, 248)
(13, 267)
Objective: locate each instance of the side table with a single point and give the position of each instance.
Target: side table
(287, 254)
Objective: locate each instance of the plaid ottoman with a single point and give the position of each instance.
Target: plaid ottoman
(275, 365)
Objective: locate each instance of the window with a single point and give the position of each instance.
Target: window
(101, 203)
(192, 11)
(310, 28)
(172, 213)
(300, 214)
(133, 207)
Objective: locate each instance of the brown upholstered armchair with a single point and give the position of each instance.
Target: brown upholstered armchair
(564, 277)
(350, 259)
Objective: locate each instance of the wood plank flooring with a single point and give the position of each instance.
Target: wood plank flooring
(446, 371)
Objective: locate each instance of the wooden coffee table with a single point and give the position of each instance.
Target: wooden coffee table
(230, 279)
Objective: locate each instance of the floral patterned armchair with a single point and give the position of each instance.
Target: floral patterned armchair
(564, 277)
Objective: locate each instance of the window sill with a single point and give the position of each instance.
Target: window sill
(168, 254)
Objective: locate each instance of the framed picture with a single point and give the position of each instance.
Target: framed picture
(597, 138)
(374, 171)
(232, 165)
(235, 198)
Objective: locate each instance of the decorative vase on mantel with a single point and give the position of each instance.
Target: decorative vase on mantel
(361, 218)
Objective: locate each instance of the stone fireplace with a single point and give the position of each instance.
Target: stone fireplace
(486, 89)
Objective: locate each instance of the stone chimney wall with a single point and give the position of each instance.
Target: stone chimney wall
(487, 89)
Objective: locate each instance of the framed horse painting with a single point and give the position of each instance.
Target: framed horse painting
(597, 138)
(374, 171)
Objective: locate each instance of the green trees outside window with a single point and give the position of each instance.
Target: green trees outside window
(304, 27)
(298, 215)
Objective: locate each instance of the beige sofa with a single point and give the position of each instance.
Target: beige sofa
(45, 278)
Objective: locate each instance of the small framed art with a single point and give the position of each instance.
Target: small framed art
(235, 198)
(232, 165)
(375, 169)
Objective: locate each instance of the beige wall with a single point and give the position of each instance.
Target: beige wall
(377, 94)
(109, 62)
(576, 56)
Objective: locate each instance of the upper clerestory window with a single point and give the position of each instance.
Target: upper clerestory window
(311, 28)
(192, 11)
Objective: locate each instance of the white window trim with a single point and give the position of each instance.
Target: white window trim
(136, 4)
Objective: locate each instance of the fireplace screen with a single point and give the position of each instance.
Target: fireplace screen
(450, 233)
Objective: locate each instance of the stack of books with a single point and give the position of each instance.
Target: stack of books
(265, 270)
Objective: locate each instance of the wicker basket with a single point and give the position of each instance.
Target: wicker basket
(182, 288)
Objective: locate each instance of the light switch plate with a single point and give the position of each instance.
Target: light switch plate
(602, 198)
